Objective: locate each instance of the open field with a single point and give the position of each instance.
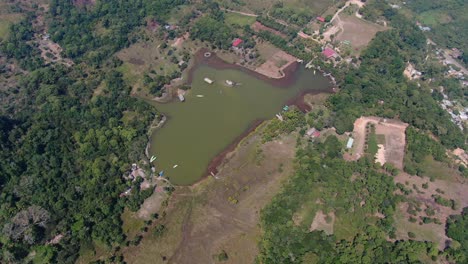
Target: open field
(274, 65)
(357, 31)
(389, 133)
(153, 57)
(314, 6)
(223, 213)
(239, 19)
(6, 20)
(452, 188)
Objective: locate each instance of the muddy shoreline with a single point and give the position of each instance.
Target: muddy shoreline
(217, 63)
(284, 82)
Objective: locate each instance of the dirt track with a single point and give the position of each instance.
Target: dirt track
(395, 138)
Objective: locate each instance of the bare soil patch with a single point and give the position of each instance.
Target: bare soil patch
(275, 65)
(152, 204)
(395, 139)
(320, 222)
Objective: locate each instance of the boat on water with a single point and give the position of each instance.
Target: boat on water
(153, 158)
(208, 80)
(175, 166)
(200, 95)
(230, 83)
(161, 173)
(181, 97)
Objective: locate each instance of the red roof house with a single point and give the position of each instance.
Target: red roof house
(236, 42)
(328, 53)
(316, 134)
(321, 19)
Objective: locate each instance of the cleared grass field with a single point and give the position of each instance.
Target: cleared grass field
(315, 6)
(357, 31)
(238, 19)
(6, 20)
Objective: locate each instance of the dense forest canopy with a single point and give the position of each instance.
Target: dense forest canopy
(75, 28)
(64, 150)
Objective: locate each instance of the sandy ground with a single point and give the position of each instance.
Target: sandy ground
(454, 189)
(179, 41)
(395, 139)
(275, 65)
(380, 155)
(320, 222)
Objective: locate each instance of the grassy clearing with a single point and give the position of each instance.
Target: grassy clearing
(437, 170)
(357, 31)
(238, 19)
(423, 232)
(153, 247)
(131, 223)
(348, 224)
(6, 20)
(372, 147)
(434, 17)
(178, 12)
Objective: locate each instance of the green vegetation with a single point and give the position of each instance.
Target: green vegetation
(73, 27)
(321, 169)
(292, 120)
(447, 19)
(419, 147)
(238, 19)
(372, 147)
(216, 32)
(379, 88)
(271, 23)
(292, 15)
(457, 229)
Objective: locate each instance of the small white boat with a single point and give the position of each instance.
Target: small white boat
(314, 72)
(175, 166)
(181, 97)
(153, 158)
(200, 95)
(229, 82)
(208, 80)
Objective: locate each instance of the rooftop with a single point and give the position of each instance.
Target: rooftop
(236, 42)
(328, 53)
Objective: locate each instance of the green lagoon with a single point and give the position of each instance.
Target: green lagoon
(214, 115)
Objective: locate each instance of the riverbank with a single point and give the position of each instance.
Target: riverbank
(216, 62)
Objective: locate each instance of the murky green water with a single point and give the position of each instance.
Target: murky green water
(201, 127)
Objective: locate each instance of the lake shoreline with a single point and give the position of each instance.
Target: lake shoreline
(288, 80)
(216, 62)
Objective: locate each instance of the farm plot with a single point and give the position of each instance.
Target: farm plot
(390, 134)
(355, 31)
